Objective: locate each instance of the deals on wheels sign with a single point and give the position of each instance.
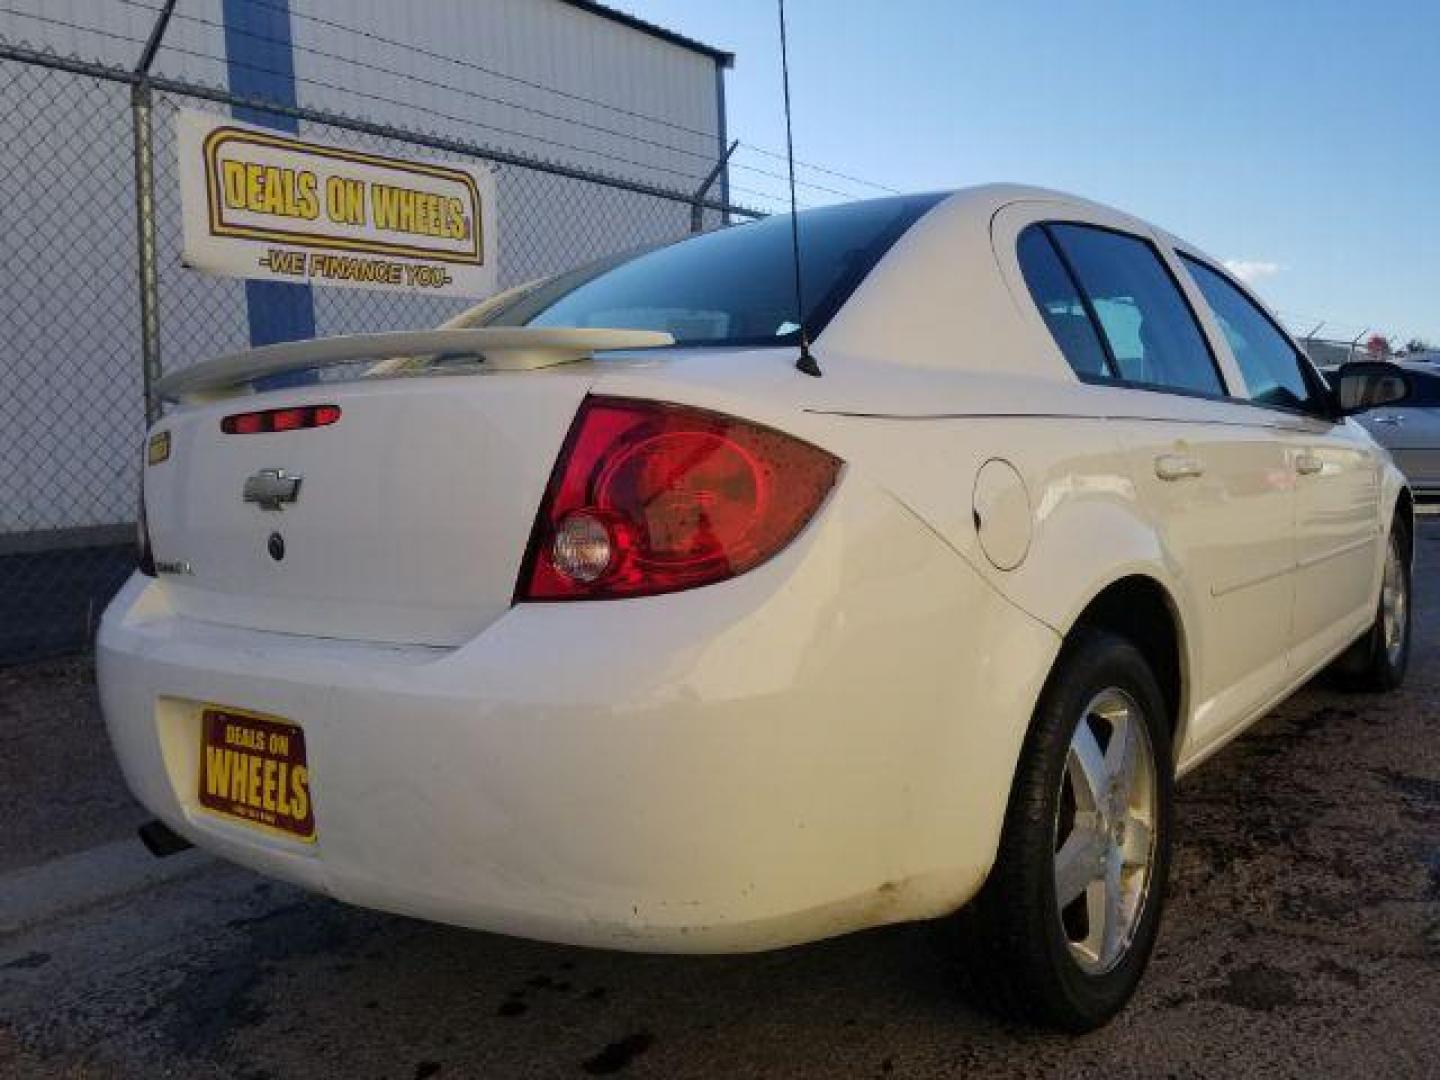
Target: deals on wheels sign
(261, 204)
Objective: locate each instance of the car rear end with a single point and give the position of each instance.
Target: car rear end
(616, 652)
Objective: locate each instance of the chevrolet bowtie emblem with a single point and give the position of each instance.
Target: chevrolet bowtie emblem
(270, 489)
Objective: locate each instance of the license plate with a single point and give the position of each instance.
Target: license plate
(253, 769)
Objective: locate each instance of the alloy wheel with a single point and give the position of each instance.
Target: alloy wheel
(1105, 831)
(1394, 604)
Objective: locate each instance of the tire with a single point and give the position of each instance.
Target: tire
(1020, 955)
(1377, 662)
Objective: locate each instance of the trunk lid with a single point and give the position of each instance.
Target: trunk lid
(412, 516)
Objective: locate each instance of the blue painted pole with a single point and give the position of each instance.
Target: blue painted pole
(261, 63)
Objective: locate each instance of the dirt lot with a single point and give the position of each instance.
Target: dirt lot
(1302, 939)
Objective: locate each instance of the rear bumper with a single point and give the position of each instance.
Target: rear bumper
(823, 744)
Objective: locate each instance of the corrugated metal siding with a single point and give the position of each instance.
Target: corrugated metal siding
(628, 104)
(112, 32)
(72, 189)
(544, 42)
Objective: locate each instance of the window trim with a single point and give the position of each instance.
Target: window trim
(1160, 388)
(1096, 326)
(1224, 393)
(1319, 389)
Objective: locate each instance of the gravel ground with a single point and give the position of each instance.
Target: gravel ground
(1302, 939)
(60, 791)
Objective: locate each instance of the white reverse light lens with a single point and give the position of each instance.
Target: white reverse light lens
(582, 547)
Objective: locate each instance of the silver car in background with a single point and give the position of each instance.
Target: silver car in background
(1410, 429)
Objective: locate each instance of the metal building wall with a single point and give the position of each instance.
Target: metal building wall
(550, 43)
(543, 78)
(509, 58)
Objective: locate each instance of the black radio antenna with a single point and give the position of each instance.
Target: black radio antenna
(805, 362)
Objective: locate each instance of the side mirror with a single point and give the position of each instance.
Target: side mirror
(1369, 384)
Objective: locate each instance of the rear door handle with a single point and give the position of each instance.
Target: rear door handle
(1389, 420)
(1178, 467)
(1308, 464)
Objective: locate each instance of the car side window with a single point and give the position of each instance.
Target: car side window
(1060, 304)
(1274, 371)
(1152, 335)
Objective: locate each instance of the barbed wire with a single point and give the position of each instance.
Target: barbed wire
(23, 53)
(420, 50)
(444, 58)
(708, 157)
(779, 156)
(690, 179)
(66, 24)
(777, 199)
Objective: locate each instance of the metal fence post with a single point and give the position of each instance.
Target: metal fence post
(696, 223)
(150, 371)
(141, 101)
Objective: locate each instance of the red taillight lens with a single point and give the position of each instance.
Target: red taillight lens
(651, 498)
(287, 419)
(291, 419)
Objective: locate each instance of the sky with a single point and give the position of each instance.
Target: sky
(1299, 140)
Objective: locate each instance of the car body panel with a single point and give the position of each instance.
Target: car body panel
(823, 743)
(411, 515)
(1340, 535)
(804, 750)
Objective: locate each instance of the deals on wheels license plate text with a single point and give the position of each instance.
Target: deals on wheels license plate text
(253, 769)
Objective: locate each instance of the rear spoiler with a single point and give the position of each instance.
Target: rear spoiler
(502, 348)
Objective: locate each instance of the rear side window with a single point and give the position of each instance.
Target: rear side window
(1060, 304)
(1150, 332)
(1273, 370)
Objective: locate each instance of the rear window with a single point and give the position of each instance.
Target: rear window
(734, 286)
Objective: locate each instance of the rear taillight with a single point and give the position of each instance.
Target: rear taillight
(651, 498)
(289, 419)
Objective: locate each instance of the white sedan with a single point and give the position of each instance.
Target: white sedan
(590, 618)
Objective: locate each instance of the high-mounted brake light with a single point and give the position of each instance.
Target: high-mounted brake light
(652, 498)
(288, 419)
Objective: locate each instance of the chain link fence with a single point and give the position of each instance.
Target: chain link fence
(71, 397)
(72, 386)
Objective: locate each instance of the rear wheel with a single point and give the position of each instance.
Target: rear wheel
(1064, 927)
(1378, 661)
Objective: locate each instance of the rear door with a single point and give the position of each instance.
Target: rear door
(1336, 467)
(1210, 472)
